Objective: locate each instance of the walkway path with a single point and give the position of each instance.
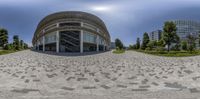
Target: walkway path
(133, 75)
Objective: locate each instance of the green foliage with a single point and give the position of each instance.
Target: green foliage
(25, 46)
(148, 49)
(138, 43)
(118, 51)
(6, 52)
(191, 42)
(22, 44)
(119, 44)
(145, 41)
(169, 33)
(16, 43)
(130, 47)
(184, 45)
(8, 47)
(3, 37)
(160, 49)
(12, 47)
(171, 53)
(161, 43)
(176, 47)
(151, 45)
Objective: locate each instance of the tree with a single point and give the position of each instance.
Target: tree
(177, 43)
(199, 38)
(151, 45)
(16, 43)
(161, 43)
(8, 47)
(145, 41)
(119, 44)
(130, 47)
(134, 46)
(138, 43)
(184, 45)
(191, 42)
(3, 37)
(169, 33)
(22, 44)
(25, 46)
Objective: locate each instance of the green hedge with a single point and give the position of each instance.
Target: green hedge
(118, 51)
(171, 53)
(2, 52)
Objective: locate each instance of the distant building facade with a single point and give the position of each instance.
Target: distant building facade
(186, 27)
(155, 35)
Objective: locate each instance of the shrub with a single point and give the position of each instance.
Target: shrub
(8, 47)
(148, 49)
(160, 49)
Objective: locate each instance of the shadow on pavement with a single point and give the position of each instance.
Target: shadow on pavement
(69, 54)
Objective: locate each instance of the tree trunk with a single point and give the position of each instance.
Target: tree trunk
(167, 47)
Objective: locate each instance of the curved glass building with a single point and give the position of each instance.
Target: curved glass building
(71, 31)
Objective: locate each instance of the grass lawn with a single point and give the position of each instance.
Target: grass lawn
(2, 52)
(118, 51)
(172, 53)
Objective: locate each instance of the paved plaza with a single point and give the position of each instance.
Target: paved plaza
(35, 75)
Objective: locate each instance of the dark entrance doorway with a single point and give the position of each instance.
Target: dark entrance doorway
(70, 41)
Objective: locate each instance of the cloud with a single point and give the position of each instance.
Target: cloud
(125, 19)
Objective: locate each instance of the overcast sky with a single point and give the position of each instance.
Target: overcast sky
(125, 19)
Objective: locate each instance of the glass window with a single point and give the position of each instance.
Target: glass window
(69, 24)
(89, 37)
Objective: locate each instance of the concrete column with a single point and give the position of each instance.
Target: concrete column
(97, 40)
(38, 46)
(57, 25)
(57, 41)
(43, 39)
(35, 47)
(104, 46)
(81, 24)
(81, 42)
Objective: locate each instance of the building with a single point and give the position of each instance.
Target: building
(186, 27)
(112, 45)
(155, 35)
(71, 31)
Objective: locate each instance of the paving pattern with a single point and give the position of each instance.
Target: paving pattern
(33, 75)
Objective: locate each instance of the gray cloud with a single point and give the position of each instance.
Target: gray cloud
(126, 19)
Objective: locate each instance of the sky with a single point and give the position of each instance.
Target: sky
(125, 19)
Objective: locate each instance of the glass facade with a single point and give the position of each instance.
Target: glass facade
(101, 41)
(50, 38)
(89, 37)
(186, 27)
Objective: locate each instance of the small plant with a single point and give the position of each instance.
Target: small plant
(118, 51)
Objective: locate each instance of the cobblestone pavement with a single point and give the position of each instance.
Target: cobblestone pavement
(133, 75)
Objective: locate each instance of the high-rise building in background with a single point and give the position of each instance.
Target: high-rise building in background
(186, 27)
(155, 35)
